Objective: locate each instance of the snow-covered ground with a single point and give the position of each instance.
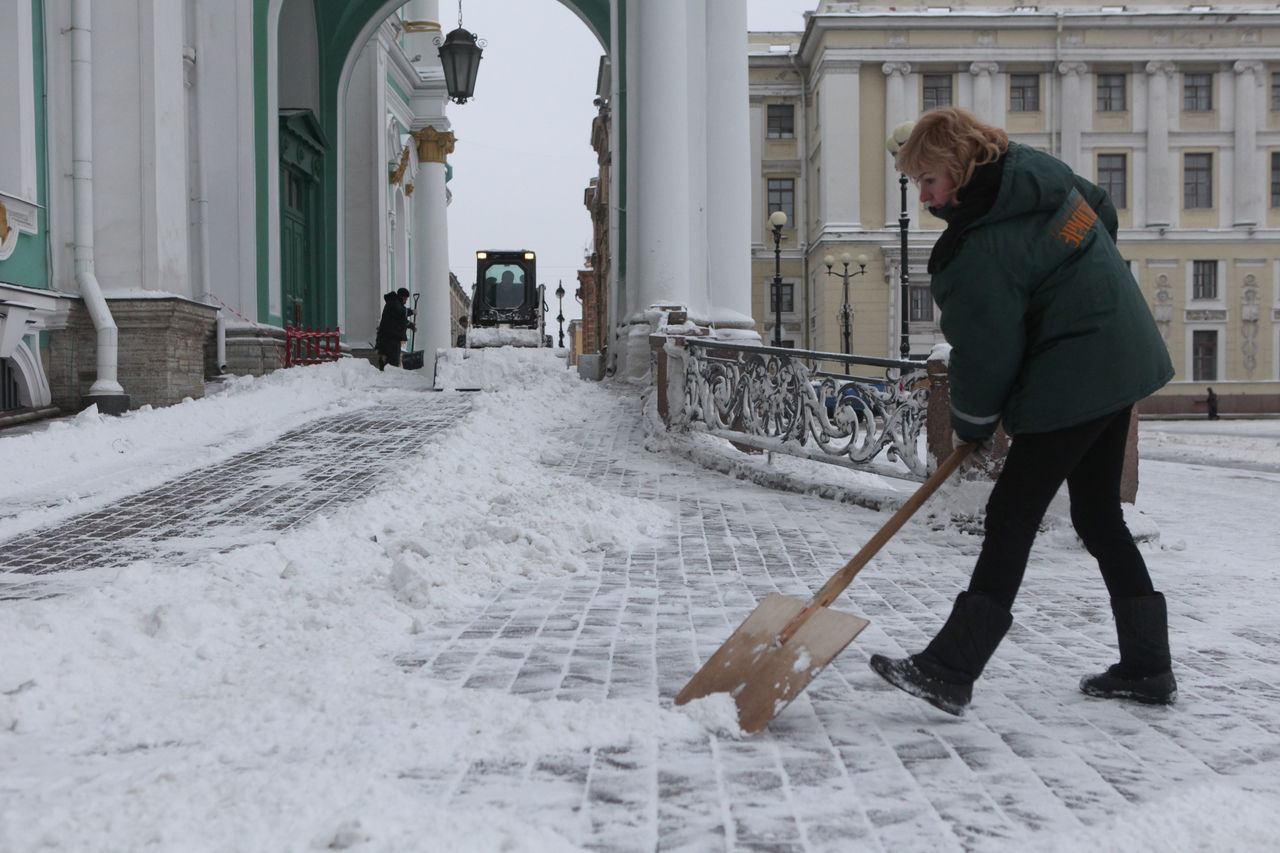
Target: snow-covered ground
(254, 702)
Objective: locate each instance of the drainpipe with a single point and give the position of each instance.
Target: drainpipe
(106, 391)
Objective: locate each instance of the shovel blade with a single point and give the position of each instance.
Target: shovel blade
(762, 676)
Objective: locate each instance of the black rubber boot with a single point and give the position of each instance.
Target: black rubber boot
(943, 674)
(1145, 671)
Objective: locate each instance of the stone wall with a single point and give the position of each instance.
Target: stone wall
(251, 350)
(161, 351)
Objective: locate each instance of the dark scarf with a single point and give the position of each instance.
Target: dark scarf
(977, 197)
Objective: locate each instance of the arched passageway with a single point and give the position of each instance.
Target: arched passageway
(681, 214)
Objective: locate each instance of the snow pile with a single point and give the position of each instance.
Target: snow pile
(497, 368)
(497, 336)
(259, 689)
(75, 463)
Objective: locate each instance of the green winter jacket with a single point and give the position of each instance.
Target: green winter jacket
(1046, 324)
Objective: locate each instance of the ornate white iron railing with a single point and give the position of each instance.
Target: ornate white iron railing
(780, 400)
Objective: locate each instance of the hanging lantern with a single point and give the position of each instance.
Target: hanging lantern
(460, 58)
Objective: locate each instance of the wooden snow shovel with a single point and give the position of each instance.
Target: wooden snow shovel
(784, 643)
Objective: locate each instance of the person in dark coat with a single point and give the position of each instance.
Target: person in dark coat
(392, 328)
(1051, 336)
(1213, 405)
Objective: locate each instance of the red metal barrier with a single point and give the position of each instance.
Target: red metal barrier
(310, 346)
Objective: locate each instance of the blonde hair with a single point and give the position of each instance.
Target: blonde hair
(952, 140)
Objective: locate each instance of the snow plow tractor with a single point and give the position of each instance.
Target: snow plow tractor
(508, 306)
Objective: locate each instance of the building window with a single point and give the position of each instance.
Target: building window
(1024, 93)
(1275, 178)
(1275, 90)
(782, 196)
(1111, 93)
(1204, 279)
(921, 309)
(18, 100)
(1197, 180)
(788, 297)
(782, 121)
(1204, 356)
(10, 393)
(1197, 92)
(1113, 177)
(937, 91)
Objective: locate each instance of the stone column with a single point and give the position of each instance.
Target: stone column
(424, 26)
(665, 45)
(1162, 172)
(896, 112)
(431, 241)
(1247, 181)
(1073, 114)
(162, 179)
(838, 85)
(757, 131)
(729, 178)
(984, 89)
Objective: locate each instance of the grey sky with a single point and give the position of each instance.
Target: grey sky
(523, 157)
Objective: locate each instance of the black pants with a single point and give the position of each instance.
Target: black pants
(1090, 458)
(390, 354)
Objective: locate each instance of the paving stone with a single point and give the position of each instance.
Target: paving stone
(851, 765)
(336, 459)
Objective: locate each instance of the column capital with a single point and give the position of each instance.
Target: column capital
(1160, 66)
(1248, 66)
(1071, 67)
(978, 69)
(433, 145)
(896, 69)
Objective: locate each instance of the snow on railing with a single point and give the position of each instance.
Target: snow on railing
(783, 400)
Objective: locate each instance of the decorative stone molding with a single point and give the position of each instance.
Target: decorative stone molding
(420, 26)
(1249, 66)
(398, 175)
(986, 38)
(1206, 315)
(1071, 67)
(979, 69)
(1163, 309)
(433, 145)
(1160, 66)
(896, 69)
(8, 235)
(1250, 314)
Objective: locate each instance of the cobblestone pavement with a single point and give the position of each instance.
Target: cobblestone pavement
(852, 764)
(254, 495)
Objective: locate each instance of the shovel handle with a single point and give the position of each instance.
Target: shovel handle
(840, 580)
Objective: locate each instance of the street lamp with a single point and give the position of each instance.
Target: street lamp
(560, 316)
(899, 137)
(460, 59)
(846, 313)
(777, 220)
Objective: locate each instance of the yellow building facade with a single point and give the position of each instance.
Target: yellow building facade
(1176, 112)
